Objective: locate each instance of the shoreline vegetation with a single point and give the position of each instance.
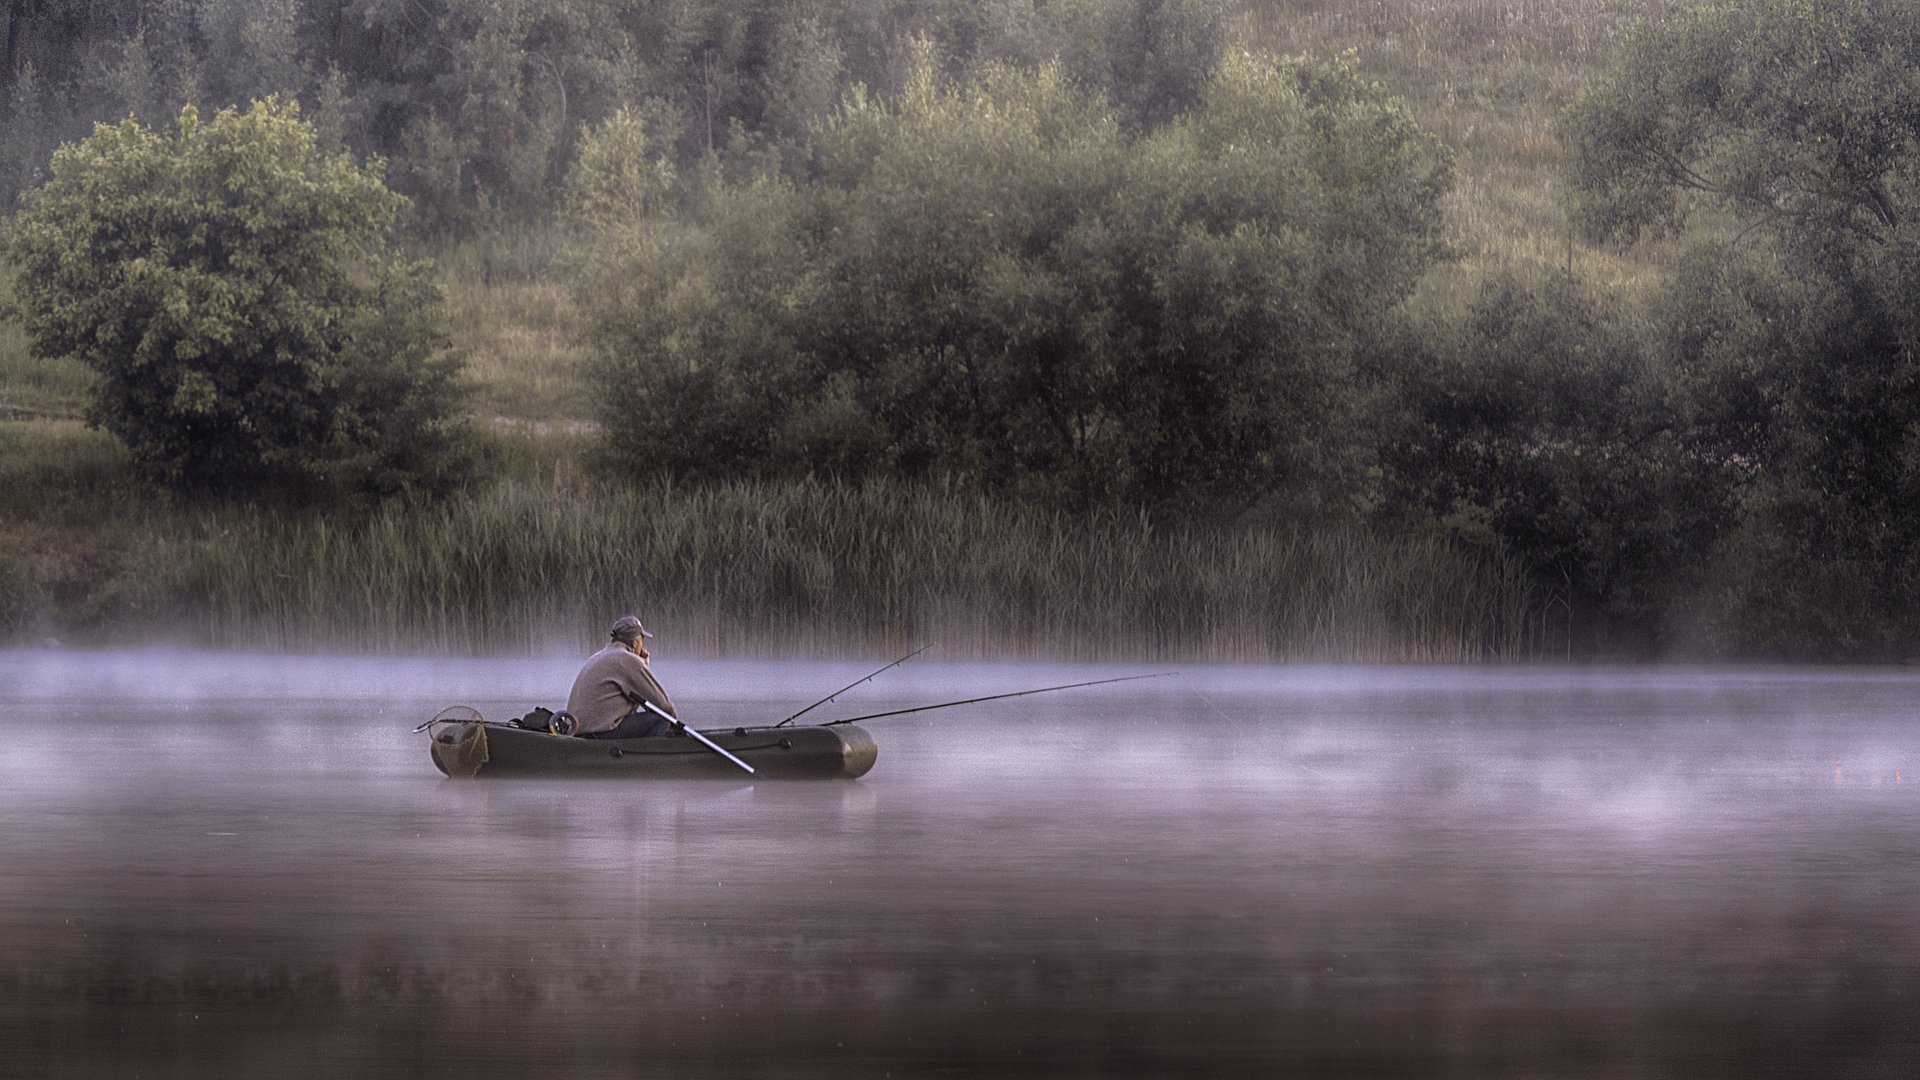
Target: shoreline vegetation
(538, 555)
(532, 565)
(824, 569)
(1449, 413)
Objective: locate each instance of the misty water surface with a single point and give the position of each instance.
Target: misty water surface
(247, 866)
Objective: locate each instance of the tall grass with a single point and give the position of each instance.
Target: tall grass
(795, 568)
(80, 537)
(513, 325)
(36, 389)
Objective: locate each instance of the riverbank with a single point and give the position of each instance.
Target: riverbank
(537, 551)
(539, 554)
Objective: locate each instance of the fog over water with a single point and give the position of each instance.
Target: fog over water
(221, 865)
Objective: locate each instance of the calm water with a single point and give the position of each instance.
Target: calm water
(247, 867)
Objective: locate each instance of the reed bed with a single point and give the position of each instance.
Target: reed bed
(805, 569)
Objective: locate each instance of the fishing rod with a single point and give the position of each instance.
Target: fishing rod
(851, 685)
(996, 697)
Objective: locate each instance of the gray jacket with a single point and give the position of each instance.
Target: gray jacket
(611, 684)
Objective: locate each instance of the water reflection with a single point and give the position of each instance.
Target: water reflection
(247, 867)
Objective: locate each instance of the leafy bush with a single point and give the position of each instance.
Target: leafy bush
(1799, 347)
(997, 282)
(1543, 419)
(236, 289)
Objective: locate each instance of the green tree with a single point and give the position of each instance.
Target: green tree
(27, 135)
(1272, 229)
(617, 192)
(1543, 420)
(1805, 386)
(1161, 53)
(479, 101)
(1802, 121)
(252, 48)
(994, 280)
(963, 253)
(237, 292)
(477, 104)
(1798, 115)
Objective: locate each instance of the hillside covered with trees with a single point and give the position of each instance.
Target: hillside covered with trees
(1094, 327)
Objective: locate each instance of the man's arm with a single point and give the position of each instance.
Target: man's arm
(641, 686)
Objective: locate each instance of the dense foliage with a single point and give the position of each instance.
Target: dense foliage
(1542, 421)
(996, 282)
(478, 103)
(1803, 121)
(235, 289)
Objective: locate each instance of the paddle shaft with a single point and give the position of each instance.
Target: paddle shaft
(710, 744)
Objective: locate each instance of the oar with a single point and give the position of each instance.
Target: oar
(853, 684)
(995, 697)
(711, 745)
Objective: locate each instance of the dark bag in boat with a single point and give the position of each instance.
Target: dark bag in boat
(554, 723)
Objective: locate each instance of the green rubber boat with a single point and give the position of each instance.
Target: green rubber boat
(464, 747)
(465, 744)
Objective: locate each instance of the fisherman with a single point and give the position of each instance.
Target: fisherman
(610, 695)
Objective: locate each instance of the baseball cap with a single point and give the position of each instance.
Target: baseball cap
(627, 627)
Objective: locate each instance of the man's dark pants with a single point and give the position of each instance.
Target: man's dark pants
(641, 723)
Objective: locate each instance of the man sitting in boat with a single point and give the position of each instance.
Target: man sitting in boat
(610, 694)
